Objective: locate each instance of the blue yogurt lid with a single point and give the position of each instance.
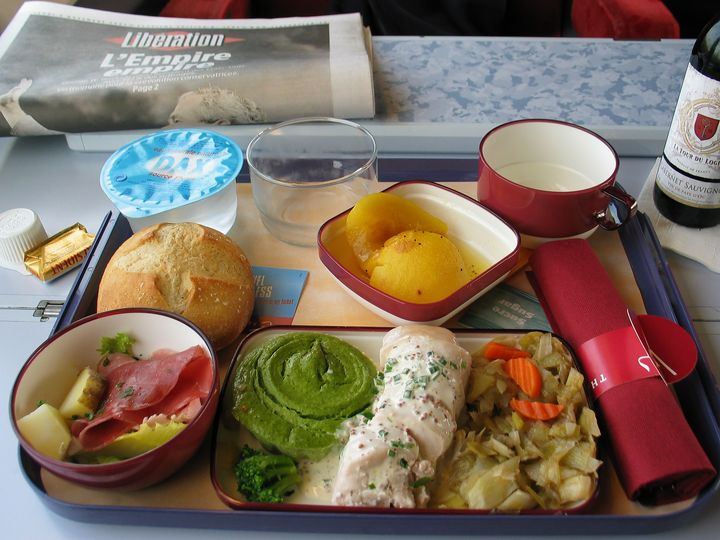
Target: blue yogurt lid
(168, 169)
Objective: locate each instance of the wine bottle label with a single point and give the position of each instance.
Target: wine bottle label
(693, 144)
(685, 189)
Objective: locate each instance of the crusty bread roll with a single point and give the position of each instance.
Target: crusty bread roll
(185, 268)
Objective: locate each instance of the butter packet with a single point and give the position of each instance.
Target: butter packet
(59, 253)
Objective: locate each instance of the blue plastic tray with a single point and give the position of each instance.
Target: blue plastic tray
(698, 394)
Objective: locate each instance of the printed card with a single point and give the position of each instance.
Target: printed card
(506, 307)
(277, 293)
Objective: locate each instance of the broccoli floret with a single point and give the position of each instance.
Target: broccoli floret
(265, 477)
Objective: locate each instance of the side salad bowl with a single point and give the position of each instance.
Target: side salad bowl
(52, 372)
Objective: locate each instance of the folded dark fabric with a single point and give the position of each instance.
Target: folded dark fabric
(656, 455)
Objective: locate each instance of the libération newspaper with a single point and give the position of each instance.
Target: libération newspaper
(65, 69)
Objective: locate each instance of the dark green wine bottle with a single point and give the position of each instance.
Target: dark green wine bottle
(687, 185)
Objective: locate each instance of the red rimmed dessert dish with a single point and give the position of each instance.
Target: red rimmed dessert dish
(119, 399)
(486, 243)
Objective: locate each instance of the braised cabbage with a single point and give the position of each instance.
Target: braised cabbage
(505, 462)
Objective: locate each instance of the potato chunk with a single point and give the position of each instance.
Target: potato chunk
(84, 396)
(46, 430)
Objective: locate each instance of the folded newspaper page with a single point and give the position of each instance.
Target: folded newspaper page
(65, 69)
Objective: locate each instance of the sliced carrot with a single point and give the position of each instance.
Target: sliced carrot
(495, 350)
(536, 410)
(525, 374)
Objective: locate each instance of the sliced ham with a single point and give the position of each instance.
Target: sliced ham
(167, 383)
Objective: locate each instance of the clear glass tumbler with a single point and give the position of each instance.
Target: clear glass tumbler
(307, 170)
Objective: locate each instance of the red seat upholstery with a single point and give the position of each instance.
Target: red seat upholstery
(206, 9)
(624, 19)
(240, 9)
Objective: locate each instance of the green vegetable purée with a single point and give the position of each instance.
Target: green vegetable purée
(294, 392)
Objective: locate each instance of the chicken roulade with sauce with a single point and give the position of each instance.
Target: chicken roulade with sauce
(390, 459)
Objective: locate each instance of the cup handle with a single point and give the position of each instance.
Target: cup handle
(624, 205)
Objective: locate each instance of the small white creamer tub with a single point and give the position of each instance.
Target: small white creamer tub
(174, 176)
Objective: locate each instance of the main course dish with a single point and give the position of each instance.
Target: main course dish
(424, 418)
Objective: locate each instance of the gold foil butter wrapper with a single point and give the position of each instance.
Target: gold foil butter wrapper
(59, 253)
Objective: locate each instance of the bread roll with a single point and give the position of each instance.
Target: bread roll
(186, 268)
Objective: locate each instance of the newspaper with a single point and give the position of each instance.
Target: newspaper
(65, 69)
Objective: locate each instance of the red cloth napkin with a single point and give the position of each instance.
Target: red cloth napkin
(656, 455)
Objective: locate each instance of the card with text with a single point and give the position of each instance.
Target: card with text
(506, 307)
(277, 293)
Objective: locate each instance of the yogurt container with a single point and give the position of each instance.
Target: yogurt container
(174, 176)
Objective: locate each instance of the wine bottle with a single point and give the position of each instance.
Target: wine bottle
(687, 185)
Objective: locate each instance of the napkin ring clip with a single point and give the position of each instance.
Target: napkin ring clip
(624, 355)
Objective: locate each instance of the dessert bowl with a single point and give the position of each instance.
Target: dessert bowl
(478, 233)
(52, 369)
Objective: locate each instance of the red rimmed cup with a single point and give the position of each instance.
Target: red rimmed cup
(551, 179)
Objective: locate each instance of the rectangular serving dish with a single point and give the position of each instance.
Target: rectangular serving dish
(699, 396)
(229, 435)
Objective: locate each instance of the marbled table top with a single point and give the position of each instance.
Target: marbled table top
(493, 80)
